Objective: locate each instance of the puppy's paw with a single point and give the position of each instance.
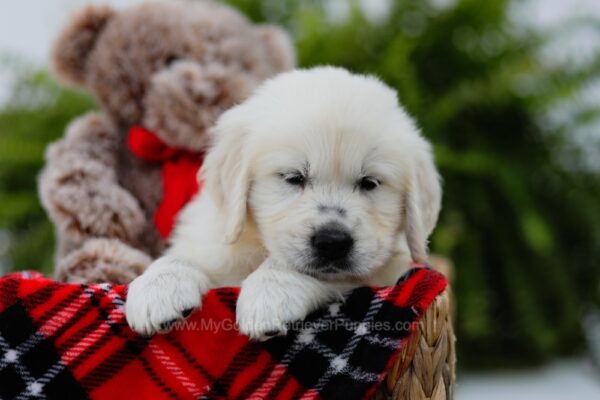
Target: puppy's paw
(162, 296)
(264, 312)
(258, 324)
(260, 320)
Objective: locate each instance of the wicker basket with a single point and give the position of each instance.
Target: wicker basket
(425, 369)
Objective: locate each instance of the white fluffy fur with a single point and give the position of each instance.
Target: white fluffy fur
(251, 228)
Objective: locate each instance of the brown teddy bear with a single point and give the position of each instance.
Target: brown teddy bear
(163, 73)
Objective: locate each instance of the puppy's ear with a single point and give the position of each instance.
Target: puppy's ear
(226, 172)
(422, 201)
(77, 40)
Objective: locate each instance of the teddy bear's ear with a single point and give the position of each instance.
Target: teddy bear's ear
(279, 45)
(76, 41)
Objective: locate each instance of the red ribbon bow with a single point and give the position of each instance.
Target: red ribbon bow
(179, 174)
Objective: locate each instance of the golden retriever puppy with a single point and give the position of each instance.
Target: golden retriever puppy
(320, 182)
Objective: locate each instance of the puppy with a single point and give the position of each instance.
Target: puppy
(320, 182)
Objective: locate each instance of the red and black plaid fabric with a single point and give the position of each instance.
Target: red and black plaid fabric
(68, 341)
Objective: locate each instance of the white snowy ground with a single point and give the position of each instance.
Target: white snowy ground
(562, 380)
(28, 26)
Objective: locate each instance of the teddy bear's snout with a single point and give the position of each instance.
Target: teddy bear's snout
(194, 79)
(212, 85)
(186, 97)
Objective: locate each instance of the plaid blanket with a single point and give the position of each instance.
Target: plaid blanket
(69, 341)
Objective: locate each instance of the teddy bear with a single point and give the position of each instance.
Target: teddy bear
(162, 73)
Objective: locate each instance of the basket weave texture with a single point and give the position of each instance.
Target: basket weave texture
(425, 368)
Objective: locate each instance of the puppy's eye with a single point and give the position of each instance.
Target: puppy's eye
(294, 179)
(368, 183)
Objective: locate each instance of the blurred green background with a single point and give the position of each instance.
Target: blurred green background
(521, 211)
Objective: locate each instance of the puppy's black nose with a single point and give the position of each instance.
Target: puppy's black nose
(331, 244)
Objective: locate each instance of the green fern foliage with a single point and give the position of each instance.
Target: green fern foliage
(35, 114)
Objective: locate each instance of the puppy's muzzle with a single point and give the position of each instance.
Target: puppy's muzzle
(331, 244)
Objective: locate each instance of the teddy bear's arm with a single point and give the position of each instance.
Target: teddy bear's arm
(79, 185)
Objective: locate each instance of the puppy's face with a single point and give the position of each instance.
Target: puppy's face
(330, 169)
(326, 194)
